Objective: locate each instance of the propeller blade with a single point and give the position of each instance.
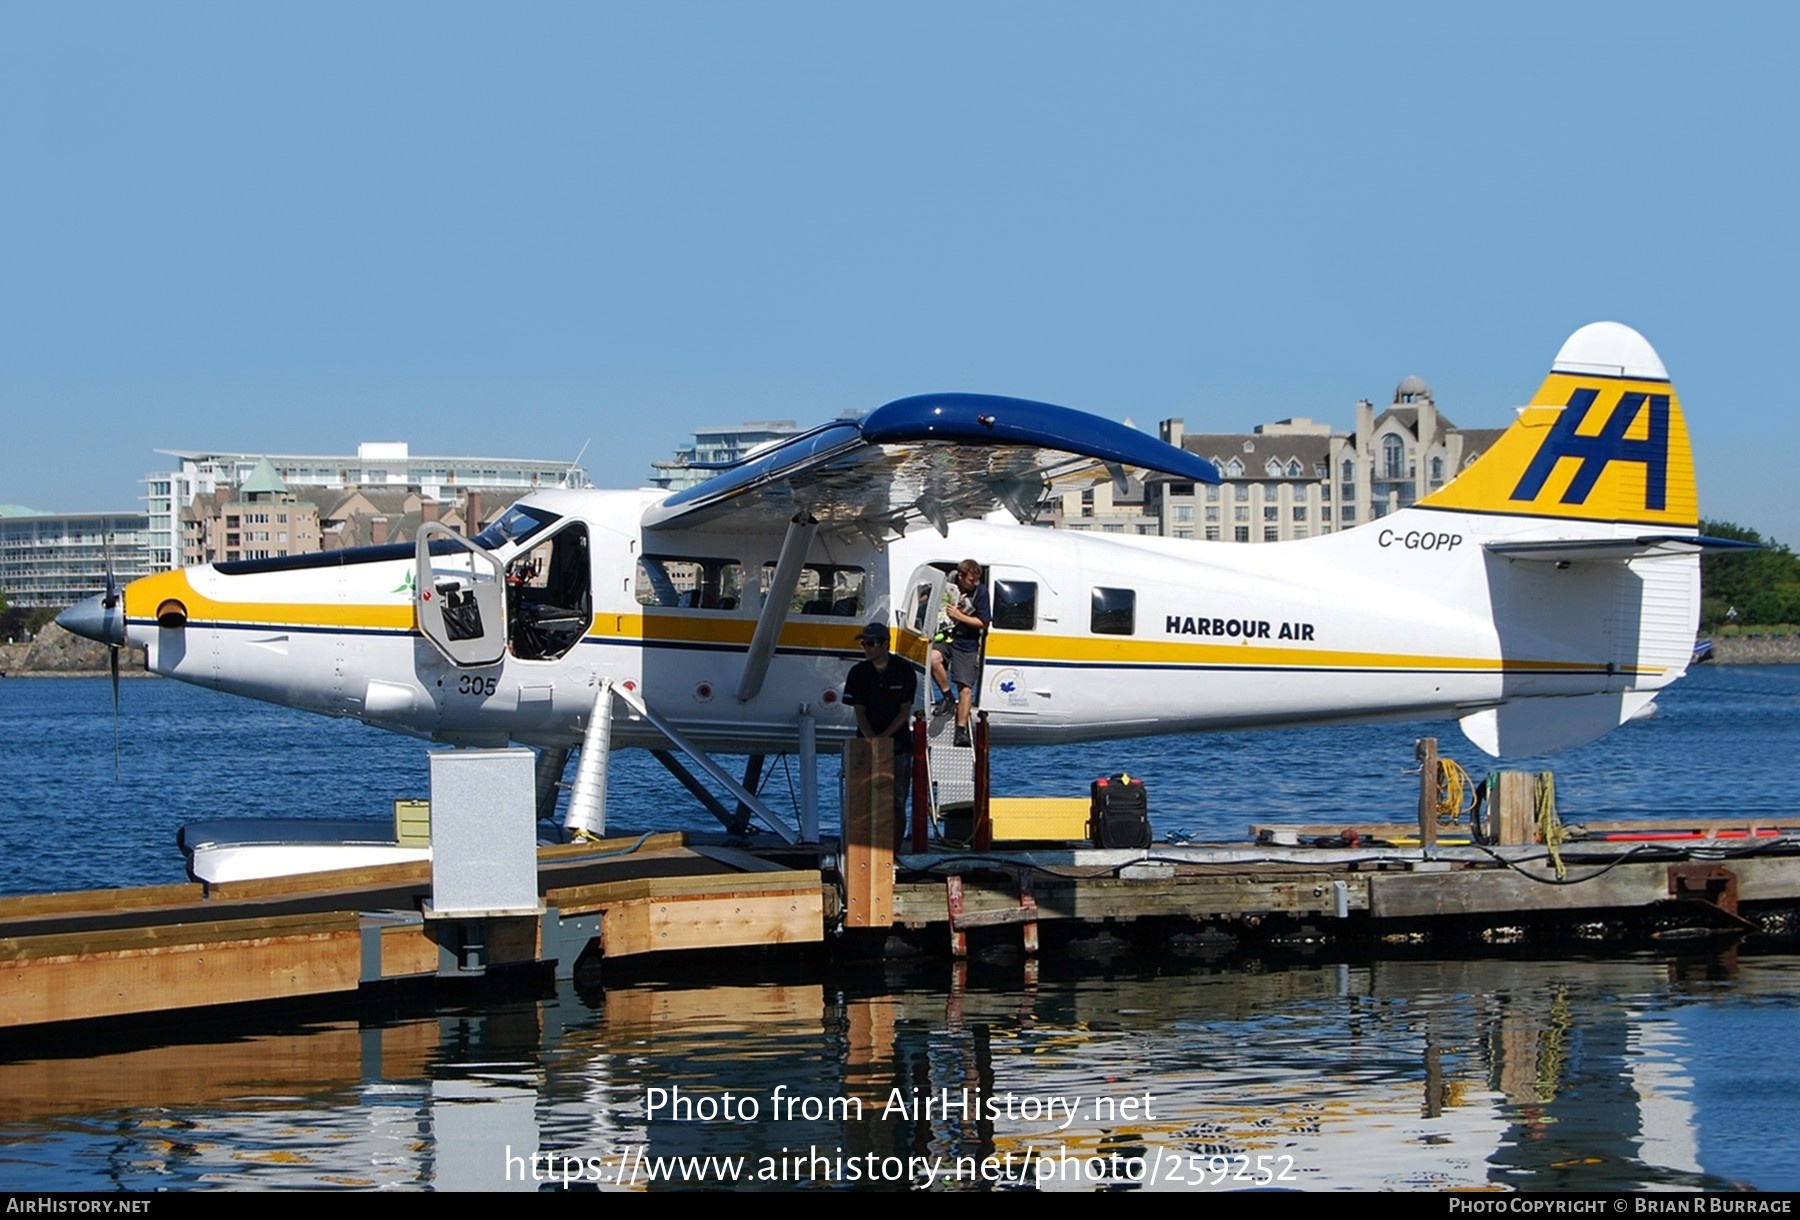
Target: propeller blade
(112, 580)
(113, 652)
(111, 602)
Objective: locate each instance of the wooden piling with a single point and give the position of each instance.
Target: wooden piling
(869, 832)
(1425, 750)
(1515, 817)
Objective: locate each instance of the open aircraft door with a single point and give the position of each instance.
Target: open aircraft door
(460, 597)
(917, 611)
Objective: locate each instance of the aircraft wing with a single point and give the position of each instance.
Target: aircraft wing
(936, 458)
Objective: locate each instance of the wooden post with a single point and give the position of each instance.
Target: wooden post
(921, 781)
(868, 832)
(1512, 809)
(953, 907)
(1425, 750)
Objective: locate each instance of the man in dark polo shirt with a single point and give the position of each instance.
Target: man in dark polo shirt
(881, 689)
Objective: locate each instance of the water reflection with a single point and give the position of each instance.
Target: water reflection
(1409, 1075)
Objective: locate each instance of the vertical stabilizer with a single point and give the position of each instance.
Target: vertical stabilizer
(1603, 440)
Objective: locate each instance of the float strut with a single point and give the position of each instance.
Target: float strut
(809, 776)
(552, 763)
(586, 818)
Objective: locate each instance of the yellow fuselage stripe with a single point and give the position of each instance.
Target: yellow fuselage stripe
(145, 596)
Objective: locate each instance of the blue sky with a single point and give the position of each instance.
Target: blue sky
(518, 229)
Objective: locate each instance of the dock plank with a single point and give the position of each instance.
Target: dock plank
(1522, 890)
(711, 921)
(1199, 896)
(142, 970)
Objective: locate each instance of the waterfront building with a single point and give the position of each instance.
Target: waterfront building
(714, 447)
(260, 519)
(58, 559)
(201, 475)
(1294, 478)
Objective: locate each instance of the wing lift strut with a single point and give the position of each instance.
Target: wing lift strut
(776, 600)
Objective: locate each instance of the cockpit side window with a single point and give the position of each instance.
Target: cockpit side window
(520, 523)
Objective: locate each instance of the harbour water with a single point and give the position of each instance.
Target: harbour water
(1305, 1068)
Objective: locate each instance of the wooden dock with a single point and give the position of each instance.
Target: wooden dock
(114, 953)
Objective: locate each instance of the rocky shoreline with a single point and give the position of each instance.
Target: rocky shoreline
(57, 654)
(1756, 650)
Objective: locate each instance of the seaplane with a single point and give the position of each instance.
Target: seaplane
(1540, 598)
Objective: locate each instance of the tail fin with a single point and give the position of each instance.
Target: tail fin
(1603, 440)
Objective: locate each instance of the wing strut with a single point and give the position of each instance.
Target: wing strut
(705, 762)
(776, 600)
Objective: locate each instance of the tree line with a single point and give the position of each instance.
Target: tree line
(1762, 587)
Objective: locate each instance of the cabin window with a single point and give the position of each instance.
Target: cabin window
(828, 589)
(922, 606)
(1115, 612)
(683, 582)
(1015, 605)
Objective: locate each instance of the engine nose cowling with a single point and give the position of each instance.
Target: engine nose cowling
(96, 620)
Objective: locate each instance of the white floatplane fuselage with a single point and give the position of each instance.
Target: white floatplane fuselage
(1541, 598)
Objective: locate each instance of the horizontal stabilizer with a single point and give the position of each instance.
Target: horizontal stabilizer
(936, 458)
(1589, 550)
(1539, 726)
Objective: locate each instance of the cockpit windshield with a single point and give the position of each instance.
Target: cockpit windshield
(518, 524)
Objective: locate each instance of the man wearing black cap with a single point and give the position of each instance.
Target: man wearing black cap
(881, 690)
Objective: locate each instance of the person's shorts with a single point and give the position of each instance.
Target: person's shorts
(965, 666)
